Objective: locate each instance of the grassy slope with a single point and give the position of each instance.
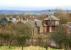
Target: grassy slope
(25, 48)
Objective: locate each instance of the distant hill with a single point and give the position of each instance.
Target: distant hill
(37, 12)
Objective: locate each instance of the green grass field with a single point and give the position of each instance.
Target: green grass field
(25, 48)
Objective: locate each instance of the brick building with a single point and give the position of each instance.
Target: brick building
(50, 23)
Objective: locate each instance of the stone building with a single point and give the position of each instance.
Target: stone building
(50, 23)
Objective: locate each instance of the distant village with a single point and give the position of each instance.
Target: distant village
(48, 24)
(41, 24)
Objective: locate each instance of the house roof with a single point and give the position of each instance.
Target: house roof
(51, 17)
(37, 22)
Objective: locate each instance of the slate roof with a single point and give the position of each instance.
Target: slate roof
(51, 17)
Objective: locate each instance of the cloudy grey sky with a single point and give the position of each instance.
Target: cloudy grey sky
(34, 4)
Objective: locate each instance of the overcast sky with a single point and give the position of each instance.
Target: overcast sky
(34, 4)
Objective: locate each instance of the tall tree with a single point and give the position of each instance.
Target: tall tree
(24, 33)
(62, 15)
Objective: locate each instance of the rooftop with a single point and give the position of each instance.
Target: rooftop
(51, 17)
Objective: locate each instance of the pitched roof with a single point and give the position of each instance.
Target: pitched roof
(51, 18)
